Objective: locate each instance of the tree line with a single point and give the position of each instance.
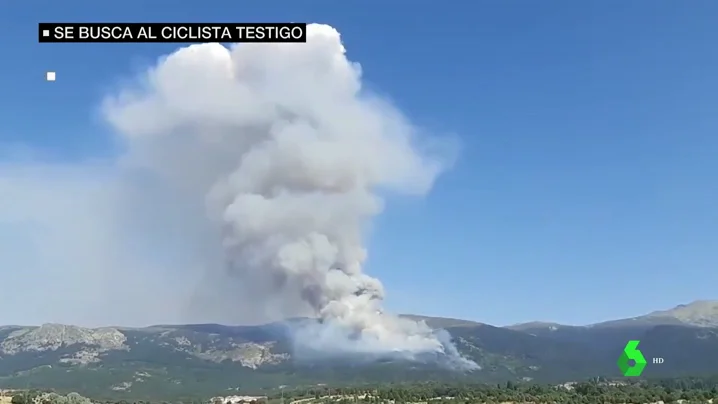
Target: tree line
(38, 397)
(683, 390)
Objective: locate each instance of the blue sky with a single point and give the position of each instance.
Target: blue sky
(586, 185)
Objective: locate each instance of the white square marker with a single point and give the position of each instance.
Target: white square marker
(50, 76)
(45, 32)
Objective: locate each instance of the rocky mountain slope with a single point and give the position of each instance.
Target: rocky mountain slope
(210, 359)
(701, 313)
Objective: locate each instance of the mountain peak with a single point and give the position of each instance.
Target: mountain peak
(701, 313)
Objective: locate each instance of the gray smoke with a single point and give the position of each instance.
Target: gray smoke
(288, 156)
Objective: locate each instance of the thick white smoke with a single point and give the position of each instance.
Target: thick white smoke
(286, 154)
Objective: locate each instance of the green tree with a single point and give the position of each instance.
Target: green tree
(18, 399)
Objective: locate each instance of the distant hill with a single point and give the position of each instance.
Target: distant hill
(442, 322)
(209, 359)
(700, 313)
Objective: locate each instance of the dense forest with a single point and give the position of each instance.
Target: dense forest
(699, 390)
(684, 390)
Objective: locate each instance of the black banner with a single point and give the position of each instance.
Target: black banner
(172, 32)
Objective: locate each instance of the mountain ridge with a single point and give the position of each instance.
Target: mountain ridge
(699, 313)
(209, 358)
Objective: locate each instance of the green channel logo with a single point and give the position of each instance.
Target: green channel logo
(631, 352)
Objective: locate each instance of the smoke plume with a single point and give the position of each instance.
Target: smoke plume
(264, 164)
(288, 153)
